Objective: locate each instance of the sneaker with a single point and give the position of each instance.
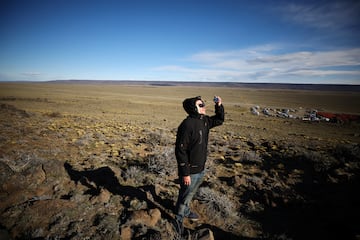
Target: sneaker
(193, 216)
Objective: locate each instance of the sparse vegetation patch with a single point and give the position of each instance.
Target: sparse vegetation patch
(98, 167)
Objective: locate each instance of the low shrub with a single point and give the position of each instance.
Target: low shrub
(347, 152)
(133, 172)
(158, 137)
(251, 156)
(217, 204)
(163, 161)
(54, 114)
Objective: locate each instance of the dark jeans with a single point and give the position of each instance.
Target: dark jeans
(186, 194)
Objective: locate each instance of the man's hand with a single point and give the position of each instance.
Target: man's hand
(187, 180)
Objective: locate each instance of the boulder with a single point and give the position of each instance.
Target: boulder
(145, 218)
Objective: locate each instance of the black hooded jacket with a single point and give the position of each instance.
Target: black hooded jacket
(192, 137)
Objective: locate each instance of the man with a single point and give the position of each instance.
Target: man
(191, 152)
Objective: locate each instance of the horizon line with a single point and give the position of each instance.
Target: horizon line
(178, 81)
(170, 83)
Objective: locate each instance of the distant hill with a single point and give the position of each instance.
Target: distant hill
(321, 87)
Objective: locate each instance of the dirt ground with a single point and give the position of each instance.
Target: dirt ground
(96, 161)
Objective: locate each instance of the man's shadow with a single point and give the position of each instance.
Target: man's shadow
(105, 178)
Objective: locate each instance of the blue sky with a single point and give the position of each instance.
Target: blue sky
(188, 40)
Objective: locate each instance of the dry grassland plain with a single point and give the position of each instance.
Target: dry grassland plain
(162, 106)
(92, 160)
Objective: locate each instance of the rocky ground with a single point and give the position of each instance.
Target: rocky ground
(69, 176)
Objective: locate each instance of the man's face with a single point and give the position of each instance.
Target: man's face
(200, 105)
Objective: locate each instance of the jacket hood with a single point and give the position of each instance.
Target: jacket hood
(190, 106)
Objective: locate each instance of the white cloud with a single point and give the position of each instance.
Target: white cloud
(31, 74)
(266, 65)
(348, 57)
(211, 56)
(324, 15)
(322, 73)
